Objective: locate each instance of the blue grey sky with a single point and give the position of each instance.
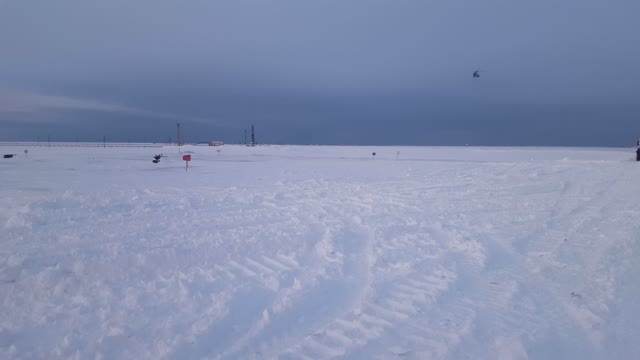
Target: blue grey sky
(553, 72)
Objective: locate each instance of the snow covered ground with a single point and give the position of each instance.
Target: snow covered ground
(303, 252)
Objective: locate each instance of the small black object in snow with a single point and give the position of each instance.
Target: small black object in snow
(8, 156)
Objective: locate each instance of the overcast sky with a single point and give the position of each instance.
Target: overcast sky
(553, 72)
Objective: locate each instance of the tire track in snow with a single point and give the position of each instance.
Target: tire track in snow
(383, 314)
(329, 295)
(509, 305)
(539, 263)
(402, 298)
(327, 277)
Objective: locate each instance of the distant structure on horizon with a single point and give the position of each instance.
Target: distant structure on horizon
(216, 143)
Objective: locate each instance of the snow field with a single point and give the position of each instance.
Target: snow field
(304, 252)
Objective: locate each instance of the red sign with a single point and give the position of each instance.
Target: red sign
(186, 157)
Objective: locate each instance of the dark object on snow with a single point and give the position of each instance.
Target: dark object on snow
(638, 154)
(156, 158)
(476, 74)
(8, 156)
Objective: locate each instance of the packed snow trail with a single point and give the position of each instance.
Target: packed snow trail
(320, 252)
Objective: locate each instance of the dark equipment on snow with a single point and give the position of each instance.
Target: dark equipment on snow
(156, 158)
(638, 154)
(476, 74)
(9, 156)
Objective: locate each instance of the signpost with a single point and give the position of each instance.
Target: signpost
(186, 159)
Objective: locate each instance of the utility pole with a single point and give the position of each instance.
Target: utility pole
(253, 136)
(179, 139)
(104, 141)
(49, 140)
(245, 136)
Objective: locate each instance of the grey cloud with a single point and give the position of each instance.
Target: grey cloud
(14, 101)
(27, 102)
